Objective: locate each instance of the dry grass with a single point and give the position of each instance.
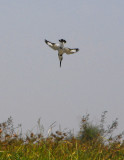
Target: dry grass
(57, 146)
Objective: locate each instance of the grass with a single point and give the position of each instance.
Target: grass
(60, 145)
(72, 149)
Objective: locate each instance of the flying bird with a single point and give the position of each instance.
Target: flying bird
(61, 49)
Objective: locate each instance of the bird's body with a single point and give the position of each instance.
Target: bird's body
(61, 49)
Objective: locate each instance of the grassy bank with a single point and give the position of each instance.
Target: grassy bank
(93, 142)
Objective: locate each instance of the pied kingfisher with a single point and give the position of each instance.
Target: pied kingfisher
(61, 49)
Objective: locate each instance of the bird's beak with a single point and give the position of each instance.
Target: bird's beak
(60, 63)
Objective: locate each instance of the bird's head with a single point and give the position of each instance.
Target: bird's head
(62, 41)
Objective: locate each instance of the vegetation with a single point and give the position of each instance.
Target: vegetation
(93, 142)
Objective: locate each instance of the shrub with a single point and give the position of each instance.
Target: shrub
(98, 132)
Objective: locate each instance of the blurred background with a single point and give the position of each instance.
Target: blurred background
(32, 85)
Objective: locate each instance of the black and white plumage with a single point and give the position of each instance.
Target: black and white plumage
(61, 49)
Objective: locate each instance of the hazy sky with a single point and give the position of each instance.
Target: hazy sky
(32, 85)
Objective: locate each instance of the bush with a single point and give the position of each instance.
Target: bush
(99, 132)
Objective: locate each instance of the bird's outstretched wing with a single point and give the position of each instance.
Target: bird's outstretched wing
(52, 45)
(70, 51)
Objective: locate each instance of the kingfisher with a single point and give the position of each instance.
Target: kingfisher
(61, 49)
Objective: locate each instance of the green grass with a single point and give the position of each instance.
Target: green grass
(49, 149)
(90, 144)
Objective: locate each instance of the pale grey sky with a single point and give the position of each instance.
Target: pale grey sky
(32, 84)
